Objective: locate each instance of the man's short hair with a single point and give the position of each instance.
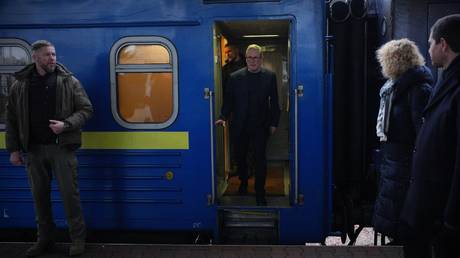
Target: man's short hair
(448, 28)
(41, 43)
(256, 47)
(233, 47)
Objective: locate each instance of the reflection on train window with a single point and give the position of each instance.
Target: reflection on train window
(14, 55)
(151, 99)
(144, 91)
(144, 54)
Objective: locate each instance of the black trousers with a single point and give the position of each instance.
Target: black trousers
(446, 246)
(257, 139)
(428, 243)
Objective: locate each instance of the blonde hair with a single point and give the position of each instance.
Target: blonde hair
(256, 47)
(398, 56)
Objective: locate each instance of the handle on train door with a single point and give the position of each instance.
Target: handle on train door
(208, 94)
(298, 93)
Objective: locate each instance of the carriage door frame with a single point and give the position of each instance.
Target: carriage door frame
(276, 40)
(219, 160)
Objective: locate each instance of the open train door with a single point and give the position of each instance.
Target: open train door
(297, 177)
(272, 36)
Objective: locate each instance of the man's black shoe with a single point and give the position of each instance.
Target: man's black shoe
(39, 248)
(243, 189)
(77, 248)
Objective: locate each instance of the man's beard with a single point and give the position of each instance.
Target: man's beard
(49, 68)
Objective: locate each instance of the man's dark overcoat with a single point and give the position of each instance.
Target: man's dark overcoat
(236, 100)
(433, 197)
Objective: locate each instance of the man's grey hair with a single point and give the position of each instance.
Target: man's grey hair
(41, 43)
(256, 47)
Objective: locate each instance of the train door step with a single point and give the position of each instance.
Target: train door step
(249, 226)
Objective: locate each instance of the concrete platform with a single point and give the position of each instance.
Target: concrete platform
(17, 250)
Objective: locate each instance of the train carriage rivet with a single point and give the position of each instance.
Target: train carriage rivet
(169, 175)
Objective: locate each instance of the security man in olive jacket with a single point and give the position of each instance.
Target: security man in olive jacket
(47, 106)
(251, 96)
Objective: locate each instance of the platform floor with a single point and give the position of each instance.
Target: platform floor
(16, 250)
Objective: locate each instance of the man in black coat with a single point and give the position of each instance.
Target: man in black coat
(234, 62)
(432, 208)
(251, 96)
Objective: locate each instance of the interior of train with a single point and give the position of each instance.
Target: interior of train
(273, 37)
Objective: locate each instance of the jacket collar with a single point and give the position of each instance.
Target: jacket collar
(27, 71)
(450, 80)
(414, 76)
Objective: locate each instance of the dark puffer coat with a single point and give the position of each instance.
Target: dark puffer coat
(411, 93)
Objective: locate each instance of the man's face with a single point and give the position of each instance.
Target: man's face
(253, 60)
(435, 52)
(230, 54)
(45, 59)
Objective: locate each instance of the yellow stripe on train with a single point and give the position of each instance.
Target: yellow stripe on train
(2, 140)
(130, 140)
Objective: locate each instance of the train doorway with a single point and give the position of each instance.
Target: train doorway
(273, 37)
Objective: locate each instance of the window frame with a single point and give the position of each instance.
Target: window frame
(14, 42)
(143, 68)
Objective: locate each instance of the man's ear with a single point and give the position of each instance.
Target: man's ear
(444, 46)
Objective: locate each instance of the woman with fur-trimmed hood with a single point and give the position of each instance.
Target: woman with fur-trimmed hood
(402, 100)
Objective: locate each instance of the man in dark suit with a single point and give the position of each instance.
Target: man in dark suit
(233, 63)
(432, 208)
(251, 96)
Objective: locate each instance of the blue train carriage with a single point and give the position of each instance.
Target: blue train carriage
(152, 158)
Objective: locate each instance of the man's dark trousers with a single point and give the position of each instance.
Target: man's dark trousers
(45, 161)
(258, 139)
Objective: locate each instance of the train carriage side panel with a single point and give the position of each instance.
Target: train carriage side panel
(161, 178)
(126, 182)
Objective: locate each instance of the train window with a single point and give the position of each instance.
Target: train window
(144, 92)
(145, 103)
(14, 55)
(144, 54)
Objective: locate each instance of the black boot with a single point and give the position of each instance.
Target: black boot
(77, 248)
(40, 247)
(243, 189)
(45, 240)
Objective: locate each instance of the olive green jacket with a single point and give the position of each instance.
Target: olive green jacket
(72, 106)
